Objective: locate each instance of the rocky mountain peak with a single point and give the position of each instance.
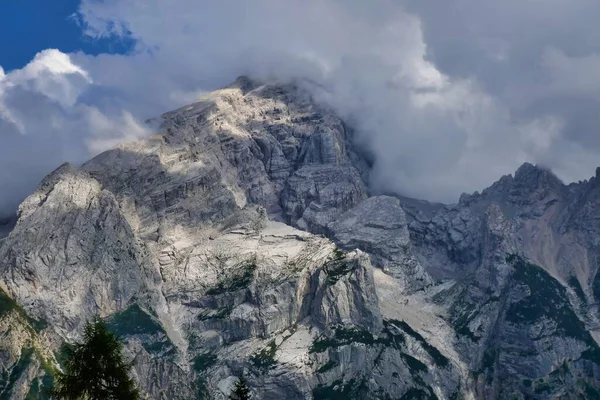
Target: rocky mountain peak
(244, 83)
(529, 174)
(530, 191)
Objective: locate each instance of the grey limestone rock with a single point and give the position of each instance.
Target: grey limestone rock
(241, 239)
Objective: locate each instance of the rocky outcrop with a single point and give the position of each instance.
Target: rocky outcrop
(72, 253)
(25, 362)
(521, 329)
(379, 226)
(242, 239)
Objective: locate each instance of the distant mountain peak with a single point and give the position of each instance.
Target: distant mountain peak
(244, 83)
(528, 172)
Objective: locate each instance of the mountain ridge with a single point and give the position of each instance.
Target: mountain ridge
(245, 234)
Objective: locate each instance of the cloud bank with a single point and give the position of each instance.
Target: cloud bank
(447, 96)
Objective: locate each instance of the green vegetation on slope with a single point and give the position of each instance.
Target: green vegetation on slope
(327, 366)
(96, 368)
(338, 390)
(7, 304)
(338, 267)
(547, 298)
(204, 361)
(41, 387)
(434, 353)
(343, 336)
(392, 337)
(240, 280)
(418, 394)
(201, 364)
(8, 380)
(135, 321)
(265, 358)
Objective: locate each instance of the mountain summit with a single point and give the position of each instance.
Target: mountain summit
(242, 240)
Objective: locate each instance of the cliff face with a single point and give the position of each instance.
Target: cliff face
(242, 240)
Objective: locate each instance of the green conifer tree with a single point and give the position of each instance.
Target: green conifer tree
(95, 369)
(241, 391)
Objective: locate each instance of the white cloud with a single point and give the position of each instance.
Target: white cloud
(572, 75)
(448, 96)
(45, 120)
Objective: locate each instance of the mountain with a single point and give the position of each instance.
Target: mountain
(242, 239)
(6, 225)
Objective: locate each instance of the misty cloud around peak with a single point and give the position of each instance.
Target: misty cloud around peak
(446, 97)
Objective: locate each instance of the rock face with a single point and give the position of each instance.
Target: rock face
(242, 239)
(379, 226)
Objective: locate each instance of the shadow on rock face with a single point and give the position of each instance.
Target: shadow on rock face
(6, 225)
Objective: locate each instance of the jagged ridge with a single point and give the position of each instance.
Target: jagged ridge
(200, 236)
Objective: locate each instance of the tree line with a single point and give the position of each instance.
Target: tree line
(95, 369)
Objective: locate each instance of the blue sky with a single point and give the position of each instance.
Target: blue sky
(29, 26)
